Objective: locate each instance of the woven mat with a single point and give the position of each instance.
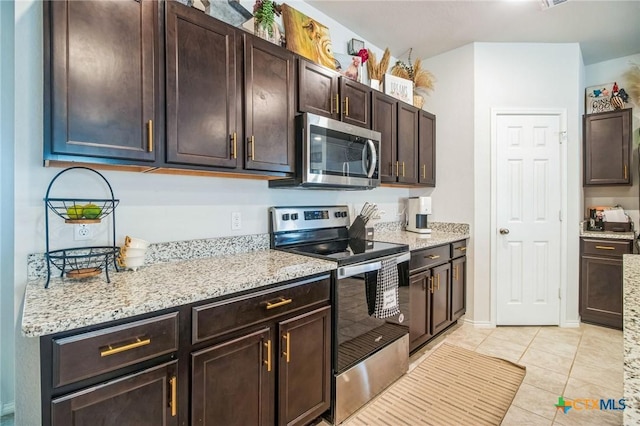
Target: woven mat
(453, 386)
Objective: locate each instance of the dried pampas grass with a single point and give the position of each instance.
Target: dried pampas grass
(377, 70)
(422, 79)
(633, 77)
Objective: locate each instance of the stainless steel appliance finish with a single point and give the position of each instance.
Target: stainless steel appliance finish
(333, 155)
(368, 352)
(362, 382)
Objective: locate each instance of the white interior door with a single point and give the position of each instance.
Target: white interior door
(528, 218)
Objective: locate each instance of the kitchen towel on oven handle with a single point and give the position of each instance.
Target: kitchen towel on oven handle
(383, 296)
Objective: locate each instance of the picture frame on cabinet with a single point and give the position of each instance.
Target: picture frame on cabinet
(598, 98)
(307, 37)
(399, 88)
(349, 66)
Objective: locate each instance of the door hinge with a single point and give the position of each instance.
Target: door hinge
(560, 215)
(559, 295)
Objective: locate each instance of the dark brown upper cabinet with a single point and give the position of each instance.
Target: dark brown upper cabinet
(269, 85)
(324, 92)
(102, 80)
(427, 149)
(407, 160)
(384, 119)
(202, 90)
(607, 148)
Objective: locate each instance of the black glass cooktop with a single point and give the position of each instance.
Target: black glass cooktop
(349, 251)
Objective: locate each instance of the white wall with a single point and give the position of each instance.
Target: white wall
(626, 196)
(6, 210)
(524, 75)
(154, 207)
(452, 103)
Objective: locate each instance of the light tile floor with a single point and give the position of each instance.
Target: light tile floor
(584, 362)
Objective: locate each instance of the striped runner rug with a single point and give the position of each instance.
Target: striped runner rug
(452, 386)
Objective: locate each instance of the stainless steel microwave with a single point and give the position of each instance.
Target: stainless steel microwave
(331, 154)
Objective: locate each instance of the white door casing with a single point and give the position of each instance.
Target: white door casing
(527, 207)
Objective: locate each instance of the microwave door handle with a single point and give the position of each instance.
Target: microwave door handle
(374, 158)
(345, 169)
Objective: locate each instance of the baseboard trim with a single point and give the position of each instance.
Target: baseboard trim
(570, 324)
(8, 408)
(480, 324)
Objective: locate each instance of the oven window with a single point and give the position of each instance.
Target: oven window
(359, 334)
(339, 154)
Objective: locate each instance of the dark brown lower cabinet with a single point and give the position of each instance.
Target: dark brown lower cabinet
(437, 291)
(458, 287)
(601, 280)
(238, 370)
(146, 398)
(304, 364)
(440, 298)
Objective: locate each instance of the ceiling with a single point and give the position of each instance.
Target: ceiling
(605, 29)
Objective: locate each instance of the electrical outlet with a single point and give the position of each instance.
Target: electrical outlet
(82, 232)
(236, 221)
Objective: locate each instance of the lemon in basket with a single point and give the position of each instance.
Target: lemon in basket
(91, 211)
(74, 212)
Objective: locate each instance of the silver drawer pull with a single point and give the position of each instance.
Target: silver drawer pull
(111, 350)
(461, 248)
(433, 256)
(605, 248)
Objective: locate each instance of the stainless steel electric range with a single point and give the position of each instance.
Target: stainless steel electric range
(369, 353)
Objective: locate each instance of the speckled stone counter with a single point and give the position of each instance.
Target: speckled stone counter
(69, 304)
(631, 337)
(419, 241)
(606, 234)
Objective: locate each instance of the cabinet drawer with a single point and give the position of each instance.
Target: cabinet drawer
(459, 248)
(96, 352)
(222, 317)
(429, 257)
(613, 248)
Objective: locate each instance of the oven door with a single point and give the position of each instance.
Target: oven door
(358, 333)
(339, 154)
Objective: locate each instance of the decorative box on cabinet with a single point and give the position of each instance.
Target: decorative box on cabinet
(324, 92)
(607, 148)
(103, 81)
(601, 280)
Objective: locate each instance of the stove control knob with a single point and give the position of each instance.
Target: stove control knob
(285, 216)
(343, 214)
(294, 216)
(337, 214)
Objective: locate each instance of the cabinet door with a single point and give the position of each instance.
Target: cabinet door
(201, 89)
(458, 287)
(384, 116)
(146, 398)
(356, 103)
(607, 148)
(318, 90)
(232, 383)
(407, 167)
(440, 298)
(102, 86)
(419, 316)
(427, 149)
(269, 106)
(304, 367)
(601, 290)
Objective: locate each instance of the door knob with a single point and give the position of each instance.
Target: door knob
(504, 231)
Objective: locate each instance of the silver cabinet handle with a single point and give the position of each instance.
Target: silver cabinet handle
(504, 231)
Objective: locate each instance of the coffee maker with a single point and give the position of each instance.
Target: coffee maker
(417, 210)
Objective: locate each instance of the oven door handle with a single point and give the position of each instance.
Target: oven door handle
(351, 270)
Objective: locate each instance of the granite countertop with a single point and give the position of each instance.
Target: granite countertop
(631, 337)
(418, 241)
(606, 234)
(69, 304)
(212, 268)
